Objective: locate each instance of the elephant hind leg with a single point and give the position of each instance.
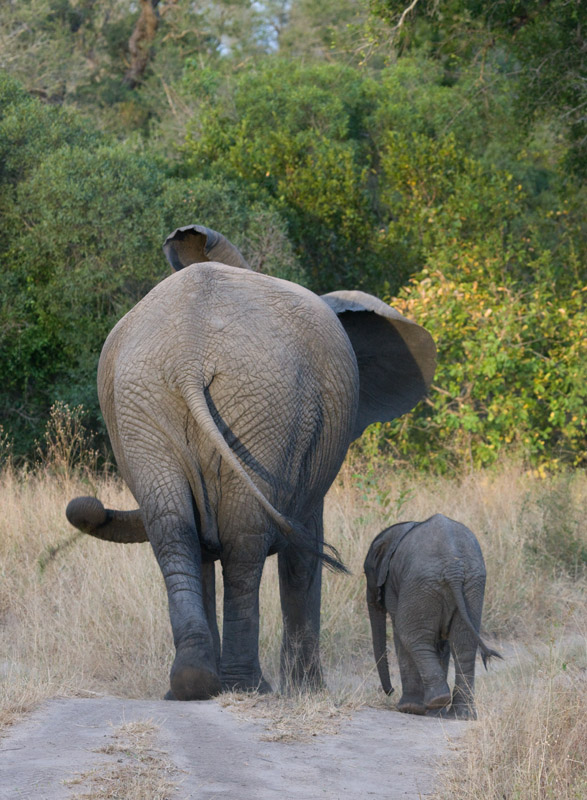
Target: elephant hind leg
(412, 699)
(420, 644)
(192, 681)
(464, 643)
(464, 650)
(300, 583)
(242, 566)
(169, 521)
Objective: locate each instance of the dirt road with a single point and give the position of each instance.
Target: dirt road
(72, 748)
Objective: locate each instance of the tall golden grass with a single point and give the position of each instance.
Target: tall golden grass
(78, 615)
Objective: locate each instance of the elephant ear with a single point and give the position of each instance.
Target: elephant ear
(396, 357)
(383, 550)
(195, 243)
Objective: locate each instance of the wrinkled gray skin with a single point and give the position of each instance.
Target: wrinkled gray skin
(430, 578)
(231, 398)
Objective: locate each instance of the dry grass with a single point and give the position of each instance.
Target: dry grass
(137, 770)
(291, 718)
(80, 616)
(77, 620)
(531, 741)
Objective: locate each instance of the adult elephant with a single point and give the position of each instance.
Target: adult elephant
(231, 398)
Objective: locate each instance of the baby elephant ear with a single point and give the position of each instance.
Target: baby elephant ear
(396, 357)
(195, 243)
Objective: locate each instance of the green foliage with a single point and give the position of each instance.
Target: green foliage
(446, 175)
(83, 245)
(512, 367)
(80, 243)
(298, 134)
(29, 130)
(541, 44)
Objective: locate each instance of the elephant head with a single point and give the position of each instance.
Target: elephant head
(195, 243)
(395, 356)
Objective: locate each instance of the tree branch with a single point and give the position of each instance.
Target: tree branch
(404, 14)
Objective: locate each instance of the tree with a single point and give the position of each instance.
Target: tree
(141, 41)
(82, 225)
(543, 41)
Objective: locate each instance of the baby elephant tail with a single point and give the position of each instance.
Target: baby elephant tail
(486, 652)
(88, 515)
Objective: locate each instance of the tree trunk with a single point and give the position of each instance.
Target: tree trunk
(139, 44)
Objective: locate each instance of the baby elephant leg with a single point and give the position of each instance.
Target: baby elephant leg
(420, 644)
(464, 649)
(412, 699)
(443, 650)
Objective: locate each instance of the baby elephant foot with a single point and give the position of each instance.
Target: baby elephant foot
(462, 711)
(437, 697)
(409, 704)
(439, 713)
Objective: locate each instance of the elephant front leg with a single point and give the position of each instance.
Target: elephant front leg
(240, 668)
(300, 579)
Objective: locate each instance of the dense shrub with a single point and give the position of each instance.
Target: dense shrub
(512, 369)
(412, 181)
(83, 222)
(299, 134)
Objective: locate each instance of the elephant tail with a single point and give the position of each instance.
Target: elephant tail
(486, 652)
(89, 516)
(378, 619)
(294, 531)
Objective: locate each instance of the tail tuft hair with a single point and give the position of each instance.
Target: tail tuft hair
(487, 654)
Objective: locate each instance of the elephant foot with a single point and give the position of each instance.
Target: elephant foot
(243, 685)
(411, 705)
(438, 697)
(439, 713)
(191, 678)
(302, 679)
(464, 712)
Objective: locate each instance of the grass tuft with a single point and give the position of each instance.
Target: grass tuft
(138, 771)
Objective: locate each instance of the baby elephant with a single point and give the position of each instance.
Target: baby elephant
(430, 577)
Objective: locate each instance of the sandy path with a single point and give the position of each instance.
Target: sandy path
(377, 753)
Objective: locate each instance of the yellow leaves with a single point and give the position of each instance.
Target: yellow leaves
(488, 312)
(539, 472)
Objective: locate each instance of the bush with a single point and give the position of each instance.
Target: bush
(80, 243)
(299, 134)
(512, 369)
